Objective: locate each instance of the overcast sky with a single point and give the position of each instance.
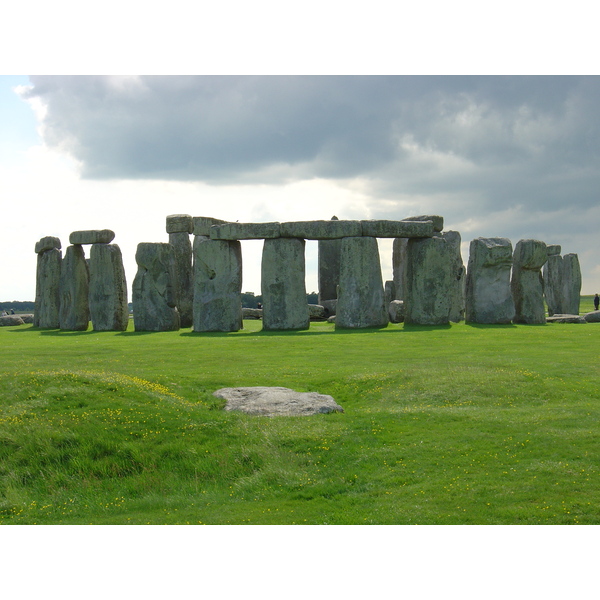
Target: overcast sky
(496, 156)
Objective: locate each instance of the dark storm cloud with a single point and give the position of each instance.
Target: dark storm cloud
(499, 139)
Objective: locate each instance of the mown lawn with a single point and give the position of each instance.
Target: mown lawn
(442, 425)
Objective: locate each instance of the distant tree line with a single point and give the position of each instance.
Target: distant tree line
(22, 307)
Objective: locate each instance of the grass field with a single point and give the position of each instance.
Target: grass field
(442, 425)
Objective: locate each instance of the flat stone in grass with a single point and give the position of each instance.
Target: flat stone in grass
(565, 319)
(11, 320)
(276, 401)
(592, 317)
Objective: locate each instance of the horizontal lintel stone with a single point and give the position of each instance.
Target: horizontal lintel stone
(321, 230)
(47, 243)
(398, 229)
(202, 225)
(180, 224)
(92, 236)
(245, 231)
(554, 249)
(438, 222)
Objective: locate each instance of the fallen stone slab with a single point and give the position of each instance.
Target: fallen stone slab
(316, 312)
(566, 319)
(92, 236)
(252, 313)
(276, 401)
(245, 231)
(10, 320)
(397, 229)
(592, 317)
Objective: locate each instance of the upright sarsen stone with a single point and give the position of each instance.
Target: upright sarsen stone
(457, 276)
(571, 284)
(527, 284)
(283, 285)
(552, 275)
(488, 294)
(47, 289)
(74, 290)
(183, 276)
(361, 301)
(108, 289)
(398, 264)
(217, 284)
(154, 288)
(329, 267)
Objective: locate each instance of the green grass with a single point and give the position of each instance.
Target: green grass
(442, 425)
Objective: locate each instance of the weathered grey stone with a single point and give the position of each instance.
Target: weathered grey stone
(108, 289)
(202, 225)
(252, 313)
(47, 290)
(553, 249)
(397, 229)
(183, 276)
(276, 401)
(316, 312)
(552, 273)
(438, 222)
(92, 236)
(47, 243)
(457, 280)
(431, 278)
(396, 311)
(488, 294)
(361, 301)
(180, 224)
(330, 307)
(74, 290)
(321, 230)
(571, 284)
(329, 267)
(388, 292)
(398, 264)
(154, 290)
(217, 285)
(566, 319)
(245, 231)
(28, 318)
(592, 317)
(282, 285)
(526, 283)
(11, 320)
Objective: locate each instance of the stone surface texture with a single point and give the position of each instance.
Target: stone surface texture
(276, 401)
(488, 297)
(329, 269)
(438, 222)
(552, 275)
(154, 292)
(361, 302)
(316, 312)
(283, 286)
(184, 278)
(457, 282)
(245, 231)
(566, 319)
(431, 279)
(47, 289)
(202, 225)
(592, 317)
(92, 236)
(396, 311)
(11, 320)
(321, 230)
(553, 249)
(397, 229)
(108, 289)
(526, 283)
(180, 224)
(398, 264)
(47, 243)
(74, 310)
(571, 284)
(217, 285)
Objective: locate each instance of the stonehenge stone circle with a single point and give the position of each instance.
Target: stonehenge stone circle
(396, 229)
(154, 292)
(179, 228)
(329, 270)
(526, 282)
(202, 225)
(217, 285)
(282, 285)
(245, 231)
(108, 289)
(93, 236)
(47, 288)
(438, 222)
(396, 311)
(552, 273)
(488, 294)
(457, 282)
(361, 302)
(398, 265)
(321, 230)
(74, 309)
(571, 284)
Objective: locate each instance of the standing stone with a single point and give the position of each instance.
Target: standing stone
(488, 295)
(527, 284)
(217, 284)
(571, 284)
(361, 301)
(283, 285)
(457, 277)
(74, 290)
(179, 228)
(47, 289)
(329, 268)
(108, 289)
(398, 264)
(433, 280)
(154, 288)
(552, 275)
